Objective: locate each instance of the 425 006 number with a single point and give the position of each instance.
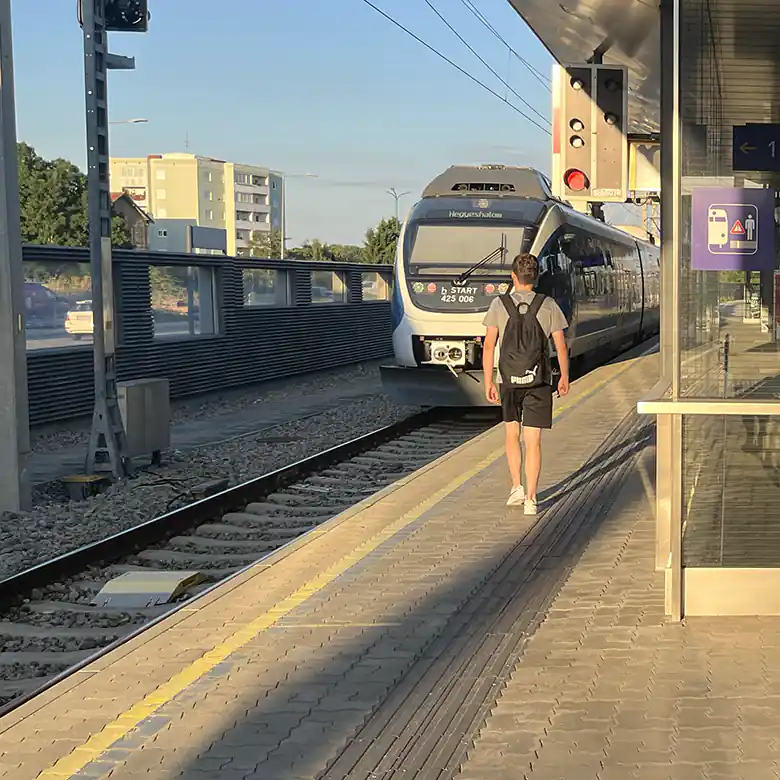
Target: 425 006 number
(458, 294)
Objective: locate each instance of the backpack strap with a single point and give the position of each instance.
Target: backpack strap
(509, 305)
(536, 304)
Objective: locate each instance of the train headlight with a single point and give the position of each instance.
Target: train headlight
(418, 287)
(456, 353)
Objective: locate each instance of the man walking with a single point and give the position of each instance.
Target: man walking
(521, 323)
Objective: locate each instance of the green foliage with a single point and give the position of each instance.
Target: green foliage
(265, 244)
(348, 253)
(380, 243)
(53, 203)
(314, 250)
(120, 233)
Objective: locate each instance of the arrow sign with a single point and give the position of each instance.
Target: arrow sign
(756, 148)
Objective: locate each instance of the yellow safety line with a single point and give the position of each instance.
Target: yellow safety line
(100, 742)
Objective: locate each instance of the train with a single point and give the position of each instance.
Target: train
(454, 255)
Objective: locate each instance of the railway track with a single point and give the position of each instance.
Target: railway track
(49, 626)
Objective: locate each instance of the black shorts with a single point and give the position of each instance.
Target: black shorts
(531, 407)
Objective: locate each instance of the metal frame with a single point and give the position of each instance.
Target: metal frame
(669, 424)
(107, 444)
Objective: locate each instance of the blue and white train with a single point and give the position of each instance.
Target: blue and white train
(455, 254)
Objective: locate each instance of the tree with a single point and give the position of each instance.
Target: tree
(380, 243)
(314, 250)
(348, 253)
(266, 244)
(53, 203)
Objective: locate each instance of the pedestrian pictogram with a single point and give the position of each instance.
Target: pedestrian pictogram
(737, 228)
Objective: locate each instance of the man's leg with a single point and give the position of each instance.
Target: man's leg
(537, 416)
(533, 459)
(514, 454)
(511, 414)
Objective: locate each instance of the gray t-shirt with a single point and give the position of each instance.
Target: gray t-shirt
(550, 317)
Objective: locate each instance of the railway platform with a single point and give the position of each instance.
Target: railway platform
(430, 631)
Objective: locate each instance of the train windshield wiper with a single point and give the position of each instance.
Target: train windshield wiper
(499, 251)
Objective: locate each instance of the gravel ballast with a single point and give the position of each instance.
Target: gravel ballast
(54, 527)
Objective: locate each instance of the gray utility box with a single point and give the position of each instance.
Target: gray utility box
(145, 405)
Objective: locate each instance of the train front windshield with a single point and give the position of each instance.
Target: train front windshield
(446, 238)
(446, 249)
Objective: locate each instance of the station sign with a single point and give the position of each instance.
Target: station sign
(733, 229)
(756, 148)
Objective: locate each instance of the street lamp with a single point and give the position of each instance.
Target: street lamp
(284, 177)
(396, 196)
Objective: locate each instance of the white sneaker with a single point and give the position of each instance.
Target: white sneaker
(517, 496)
(530, 506)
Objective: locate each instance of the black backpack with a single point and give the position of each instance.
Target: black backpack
(523, 358)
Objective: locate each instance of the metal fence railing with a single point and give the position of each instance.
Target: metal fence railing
(204, 322)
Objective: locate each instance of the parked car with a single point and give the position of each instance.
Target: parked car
(42, 306)
(78, 321)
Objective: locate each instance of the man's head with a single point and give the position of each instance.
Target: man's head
(525, 269)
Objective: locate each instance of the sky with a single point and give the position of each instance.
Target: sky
(328, 87)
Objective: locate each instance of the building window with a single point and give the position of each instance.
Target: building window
(244, 197)
(209, 195)
(209, 176)
(159, 173)
(242, 235)
(160, 194)
(162, 234)
(243, 216)
(162, 213)
(260, 200)
(183, 301)
(327, 287)
(375, 287)
(260, 217)
(210, 215)
(259, 181)
(242, 178)
(265, 287)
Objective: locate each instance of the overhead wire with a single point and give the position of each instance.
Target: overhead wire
(457, 67)
(489, 67)
(544, 80)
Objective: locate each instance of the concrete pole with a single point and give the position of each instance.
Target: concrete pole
(283, 216)
(14, 419)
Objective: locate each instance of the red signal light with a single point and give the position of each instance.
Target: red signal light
(575, 180)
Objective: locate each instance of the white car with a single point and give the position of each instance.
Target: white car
(78, 321)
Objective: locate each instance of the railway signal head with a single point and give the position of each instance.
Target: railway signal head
(574, 129)
(610, 139)
(127, 15)
(590, 145)
(121, 15)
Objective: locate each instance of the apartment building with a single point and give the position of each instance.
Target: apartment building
(182, 189)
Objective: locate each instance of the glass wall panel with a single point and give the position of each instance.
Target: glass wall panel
(731, 491)
(57, 305)
(727, 319)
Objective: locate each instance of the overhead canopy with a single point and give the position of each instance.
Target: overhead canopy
(626, 32)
